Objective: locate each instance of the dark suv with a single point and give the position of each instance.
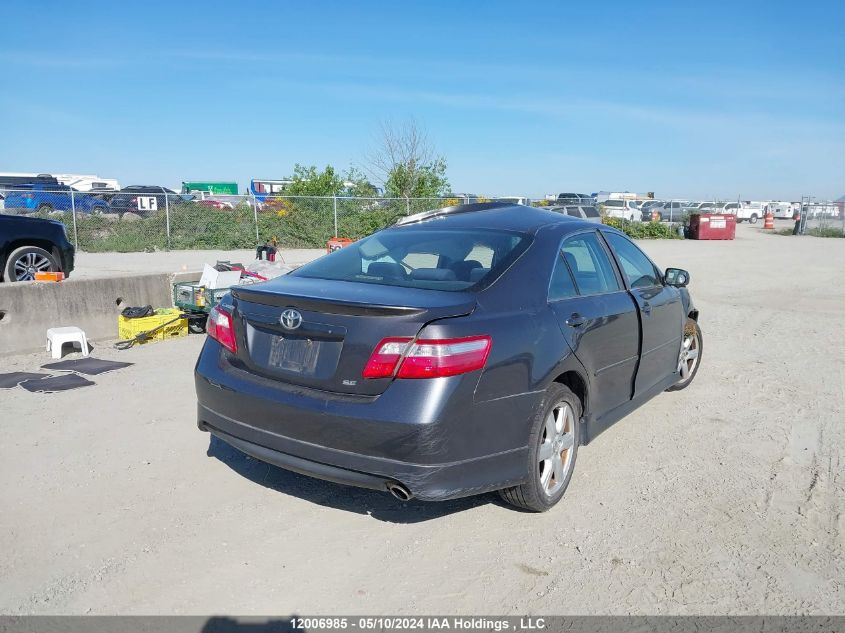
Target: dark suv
(30, 245)
(468, 349)
(145, 199)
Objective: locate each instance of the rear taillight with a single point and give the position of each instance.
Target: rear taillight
(383, 360)
(221, 328)
(427, 358)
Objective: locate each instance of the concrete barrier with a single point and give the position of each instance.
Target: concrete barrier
(27, 309)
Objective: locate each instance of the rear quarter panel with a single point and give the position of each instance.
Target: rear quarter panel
(529, 350)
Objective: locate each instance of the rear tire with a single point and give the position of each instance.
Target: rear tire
(753, 219)
(555, 433)
(25, 261)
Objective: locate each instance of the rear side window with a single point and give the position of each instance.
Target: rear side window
(636, 267)
(589, 265)
(562, 286)
(435, 259)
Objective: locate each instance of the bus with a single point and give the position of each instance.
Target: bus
(261, 187)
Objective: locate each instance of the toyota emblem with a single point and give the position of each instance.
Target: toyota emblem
(291, 319)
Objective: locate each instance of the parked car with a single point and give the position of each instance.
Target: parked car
(145, 199)
(697, 207)
(727, 207)
(623, 209)
(516, 200)
(574, 198)
(751, 211)
(215, 204)
(464, 350)
(671, 210)
(30, 245)
(588, 213)
(646, 207)
(46, 198)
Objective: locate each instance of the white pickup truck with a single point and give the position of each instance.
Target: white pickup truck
(751, 211)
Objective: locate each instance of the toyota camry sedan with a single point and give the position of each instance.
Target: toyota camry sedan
(464, 350)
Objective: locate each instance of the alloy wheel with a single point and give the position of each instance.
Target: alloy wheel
(557, 448)
(30, 263)
(688, 358)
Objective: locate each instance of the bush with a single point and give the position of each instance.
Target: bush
(644, 230)
(300, 223)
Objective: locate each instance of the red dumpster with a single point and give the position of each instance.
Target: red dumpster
(712, 226)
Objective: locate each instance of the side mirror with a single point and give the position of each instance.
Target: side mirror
(677, 277)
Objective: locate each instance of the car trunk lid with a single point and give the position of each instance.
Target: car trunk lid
(320, 333)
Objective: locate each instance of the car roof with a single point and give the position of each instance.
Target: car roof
(490, 215)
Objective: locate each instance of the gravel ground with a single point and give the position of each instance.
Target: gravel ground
(723, 498)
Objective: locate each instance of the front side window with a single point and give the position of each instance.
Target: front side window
(589, 264)
(637, 268)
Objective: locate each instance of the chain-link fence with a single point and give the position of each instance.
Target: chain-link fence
(148, 220)
(822, 218)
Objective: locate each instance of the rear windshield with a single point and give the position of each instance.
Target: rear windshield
(591, 212)
(450, 260)
(615, 203)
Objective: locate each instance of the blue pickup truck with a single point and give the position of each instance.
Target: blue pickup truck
(48, 198)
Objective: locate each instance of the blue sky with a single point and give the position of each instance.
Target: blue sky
(683, 99)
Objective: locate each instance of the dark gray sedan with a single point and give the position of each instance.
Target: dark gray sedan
(466, 350)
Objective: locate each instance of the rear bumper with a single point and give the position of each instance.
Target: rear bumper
(416, 439)
(429, 482)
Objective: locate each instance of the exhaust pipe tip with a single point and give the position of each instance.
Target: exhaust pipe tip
(399, 491)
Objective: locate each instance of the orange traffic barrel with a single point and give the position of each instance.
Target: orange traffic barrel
(769, 221)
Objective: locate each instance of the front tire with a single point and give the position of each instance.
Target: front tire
(689, 357)
(552, 449)
(25, 261)
(753, 219)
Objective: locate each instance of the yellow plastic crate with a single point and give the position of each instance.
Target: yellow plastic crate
(130, 328)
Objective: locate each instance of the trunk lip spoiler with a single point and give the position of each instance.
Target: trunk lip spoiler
(339, 306)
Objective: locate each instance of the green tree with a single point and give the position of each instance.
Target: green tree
(308, 181)
(415, 181)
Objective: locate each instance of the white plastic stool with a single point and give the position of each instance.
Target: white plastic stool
(58, 336)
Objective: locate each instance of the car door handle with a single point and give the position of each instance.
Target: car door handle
(575, 320)
(647, 307)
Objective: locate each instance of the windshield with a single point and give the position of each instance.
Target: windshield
(450, 260)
